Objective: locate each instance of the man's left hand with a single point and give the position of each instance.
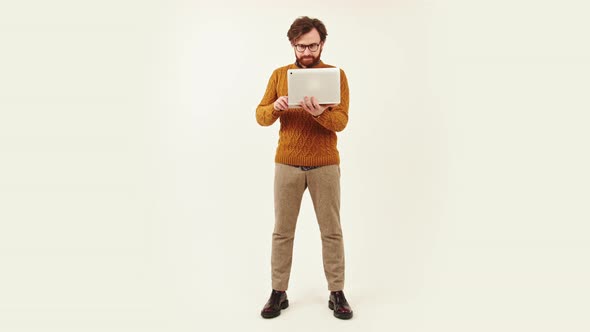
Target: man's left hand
(312, 107)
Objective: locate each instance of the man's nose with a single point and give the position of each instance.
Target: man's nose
(307, 51)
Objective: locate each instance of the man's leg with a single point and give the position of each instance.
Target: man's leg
(324, 187)
(289, 186)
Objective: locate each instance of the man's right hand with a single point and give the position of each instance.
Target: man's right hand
(282, 104)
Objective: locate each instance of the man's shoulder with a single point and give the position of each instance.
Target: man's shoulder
(281, 70)
(326, 65)
(342, 73)
(285, 68)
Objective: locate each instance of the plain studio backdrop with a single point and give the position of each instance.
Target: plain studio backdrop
(136, 185)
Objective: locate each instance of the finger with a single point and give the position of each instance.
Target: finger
(308, 103)
(314, 101)
(316, 104)
(304, 106)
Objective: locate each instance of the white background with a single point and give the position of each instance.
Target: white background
(136, 185)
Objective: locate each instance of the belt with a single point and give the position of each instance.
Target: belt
(305, 168)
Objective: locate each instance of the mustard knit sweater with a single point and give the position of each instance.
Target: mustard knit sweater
(304, 140)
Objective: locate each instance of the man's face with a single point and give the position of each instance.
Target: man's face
(308, 57)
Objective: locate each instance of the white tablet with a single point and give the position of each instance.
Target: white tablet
(321, 83)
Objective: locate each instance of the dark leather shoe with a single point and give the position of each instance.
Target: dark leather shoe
(277, 301)
(340, 306)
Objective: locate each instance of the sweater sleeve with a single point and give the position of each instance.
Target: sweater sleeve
(265, 113)
(335, 118)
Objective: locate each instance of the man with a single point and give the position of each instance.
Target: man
(306, 157)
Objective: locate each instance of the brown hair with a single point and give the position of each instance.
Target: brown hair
(303, 25)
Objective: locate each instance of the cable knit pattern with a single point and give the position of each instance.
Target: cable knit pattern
(303, 139)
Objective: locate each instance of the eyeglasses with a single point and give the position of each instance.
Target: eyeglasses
(312, 47)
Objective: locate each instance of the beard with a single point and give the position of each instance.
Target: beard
(309, 60)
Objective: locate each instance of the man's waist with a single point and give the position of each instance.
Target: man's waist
(305, 168)
(306, 160)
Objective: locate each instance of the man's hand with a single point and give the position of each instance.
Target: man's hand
(312, 107)
(282, 104)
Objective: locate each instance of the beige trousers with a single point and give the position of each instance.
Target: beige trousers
(324, 187)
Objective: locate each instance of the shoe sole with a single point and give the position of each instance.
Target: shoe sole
(284, 305)
(337, 315)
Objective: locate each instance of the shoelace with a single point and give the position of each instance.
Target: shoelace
(276, 297)
(339, 298)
